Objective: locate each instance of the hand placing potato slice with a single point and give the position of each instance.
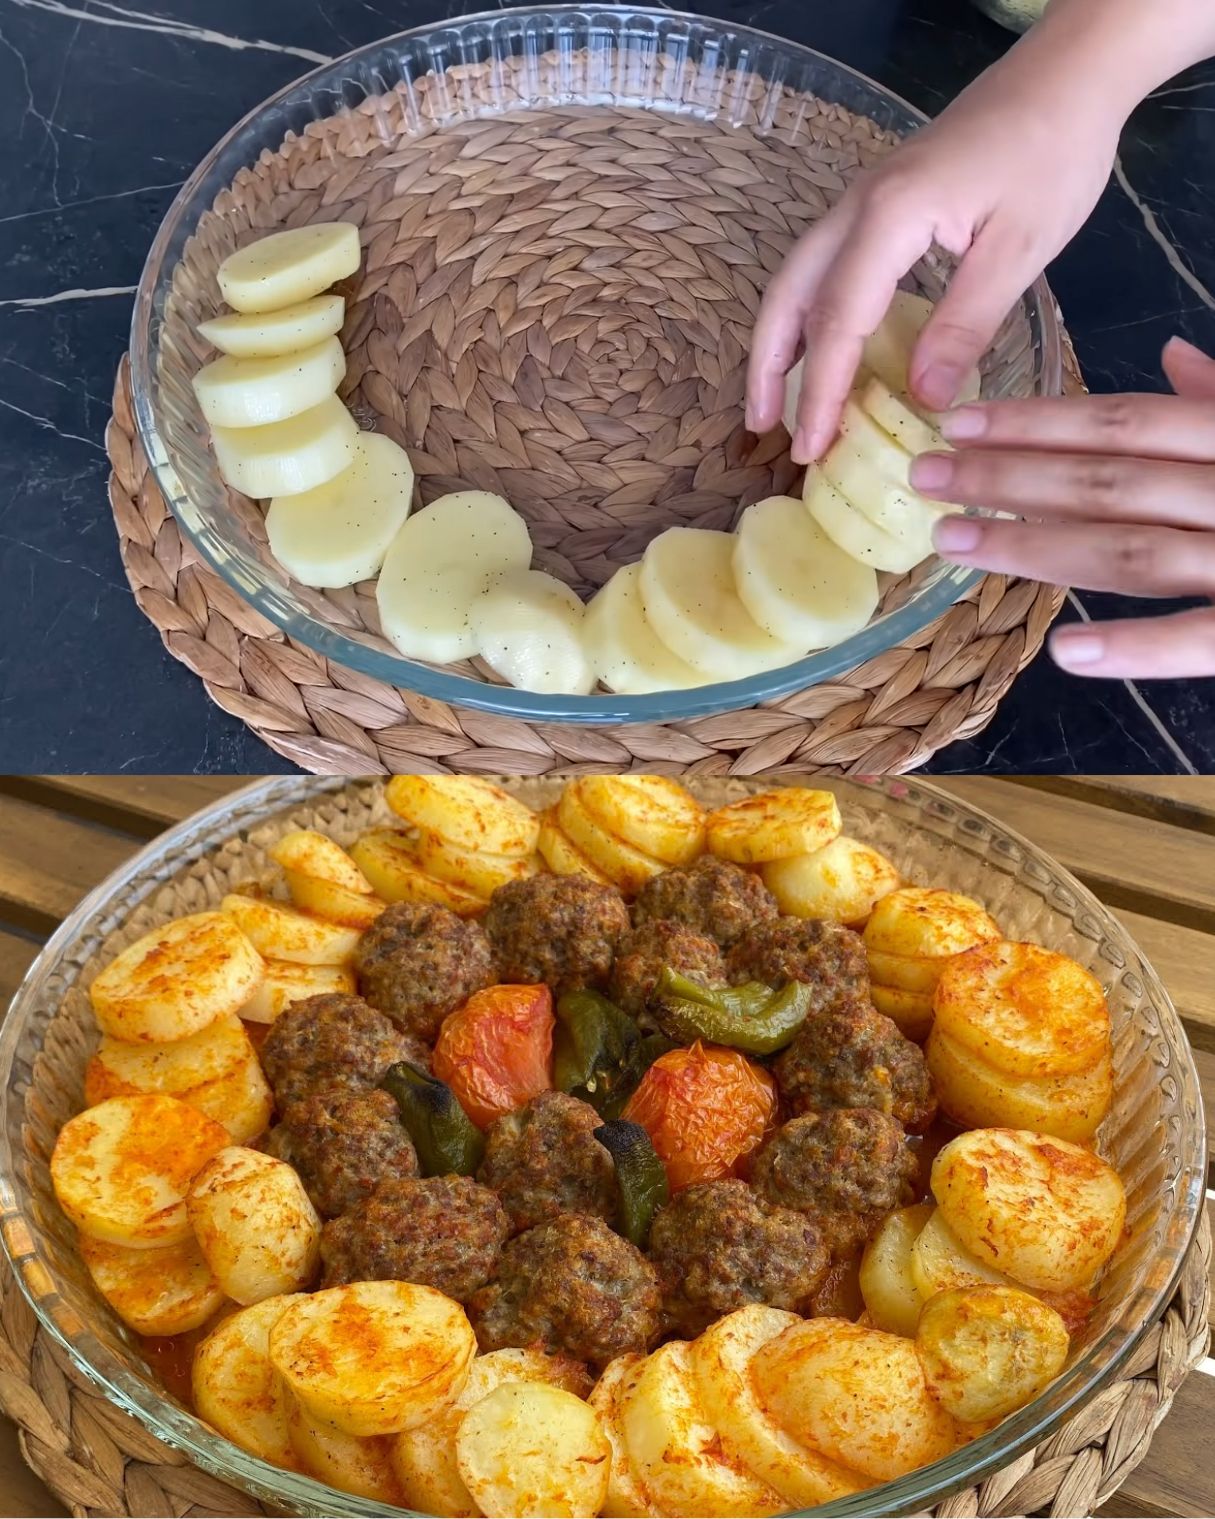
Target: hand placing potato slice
(528, 628)
(853, 532)
(254, 1224)
(287, 458)
(260, 335)
(651, 812)
(888, 352)
(887, 1285)
(627, 868)
(347, 1462)
(251, 392)
(899, 420)
(156, 1292)
(559, 853)
(843, 882)
(939, 1261)
(287, 267)
(466, 811)
(774, 825)
(285, 983)
(281, 933)
(236, 1388)
(869, 470)
(384, 855)
(626, 1495)
(626, 653)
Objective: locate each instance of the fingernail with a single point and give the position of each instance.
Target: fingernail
(1073, 649)
(1183, 345)
(956, 535)
(966, 422)
(939, 384)
(931, 472)
(808, 445)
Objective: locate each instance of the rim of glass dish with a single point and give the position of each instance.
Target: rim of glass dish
(211, 1451)
(894, 628)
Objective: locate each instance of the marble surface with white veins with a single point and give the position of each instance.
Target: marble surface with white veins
(104, 110)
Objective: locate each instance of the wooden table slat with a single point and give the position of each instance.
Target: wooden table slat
(49, 862)
(1170, 798)
(143, 805)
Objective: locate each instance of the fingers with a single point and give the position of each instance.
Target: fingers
(1146, 648)
(1188, 370)
(1150, 426)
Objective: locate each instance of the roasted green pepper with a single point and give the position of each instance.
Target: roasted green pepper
(641, 1178)
(600, 1055)
(753, 1018)
(445, 1137)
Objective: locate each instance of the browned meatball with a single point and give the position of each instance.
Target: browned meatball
(332, 1041)
(712, 896)
(854, 1057)
(343, 1144)
(570, 1285)
(417, 963)
(827, 957)
(444, 1232)
(543, 1159)
(659, 942)
(716, 1247)
(560, 930)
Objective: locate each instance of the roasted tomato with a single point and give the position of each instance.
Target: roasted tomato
(496, 1052)
(705, 1109)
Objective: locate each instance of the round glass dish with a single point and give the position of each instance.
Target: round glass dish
(1154, 1135)
(553, 59)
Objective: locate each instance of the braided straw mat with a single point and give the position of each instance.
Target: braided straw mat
(556, 306)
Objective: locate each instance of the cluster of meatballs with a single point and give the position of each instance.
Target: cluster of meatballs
(528, 1245)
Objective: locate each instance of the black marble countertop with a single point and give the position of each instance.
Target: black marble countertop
(105, 109)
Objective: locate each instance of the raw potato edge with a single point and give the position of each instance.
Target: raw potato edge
(528, 628)
(243, 393)
(287, 267)
(287, 458)
(262, 334)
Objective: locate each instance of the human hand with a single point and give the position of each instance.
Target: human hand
(1122, 492)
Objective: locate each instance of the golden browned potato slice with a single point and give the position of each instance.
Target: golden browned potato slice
(176, 980)
(927, 923)
(774, 825)
(374, 1358)
(912, 1011)
(383, 856)
(282, 933)
(466, 811)
(905, 973)
(348, 1462)
(285, 983)
(627, 868)
(887, 1284)
(254, 1224)
(475, 871)
(939, 1261)
(560, 855)
(844, 881)
(309, 853)
(987, 1351)
(122, 1169)
(237, 1390)
(334, 903)
(242, 1102)
(626, 1494)
(651, 812)
(1044, 1211)
(156, 1292)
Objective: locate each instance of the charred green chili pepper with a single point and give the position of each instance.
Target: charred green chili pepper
(641, 1178)
(600, 1055)
(445, 1137)
(753, 1018)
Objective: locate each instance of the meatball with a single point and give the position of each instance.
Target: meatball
(445, 1232)
(717, 1246)
(417, 963)
(343, 1144)
(544, 1159)
(854, 1057)
(656, 943)
(329, 1041)
(570, 1285)
(713, 897)
(827, 957)
(561, 930)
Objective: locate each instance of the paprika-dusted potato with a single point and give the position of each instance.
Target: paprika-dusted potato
(383, 856)
(625, 866)
(466, 811)
(237, 1390)
(905, 973)
(928, 923)
(987, 1351)
(156, 1292)
(887, 1284)
(626, 1494)
(651, 812)
(373, 1358)
(305, 852)
(333, 902)
(282, 933)
(774, 825)
(351, 1463)
(939, 1261)
(1044, 1211)
(285, 983)
(843, 882)
(176, 980)
(561, 855)
(254, 1224)
(496, 1052)
(911, 1011)
(475, 871)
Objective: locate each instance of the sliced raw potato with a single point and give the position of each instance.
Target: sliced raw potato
(260, 335)
(121, 1170)
(561, 855)
(445, 557)
(384, 855)
(1045, 1211)
(870, 470)
(905, 973)
(282, 933)
(528, 628)
(912, 1011)
(338, 533)
(336, 904)
(251, 392)
(287, 458)
(254, 1224)
(287, 267)
(309, 853)
(174, 981)
(939, 1261)
(774, 825)
(626, 1495)
(651, 812)
(374, 1358)
(465, 810)
(237, 1390)
(887, 1285)
(156, 1292)
(528, 1448)
(473, 871)
(987, 1351)
(888, 352)
(626, 653)
(928, 924)
(853, 532)
(285, 983)
(675, 1450)
(721, 1360)
(690, 599)
(348, 1462)
(793, 579)
(899, 419)
(843, 881)
(627, 868)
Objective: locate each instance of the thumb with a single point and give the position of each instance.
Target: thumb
(1188, 370)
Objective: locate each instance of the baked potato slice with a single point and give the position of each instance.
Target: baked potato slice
(843, 882)
(626, 1495)
(905, 973)
(281, 933)
(125, 1068)
(254, 1224)
(474, 871)
(285, 983)
(305, 852)
(928, 923)
(351, 1463)
(469, 812)
(651, 812)
(560, 854)
(236, 1389)
(939, 1261)
(382, 854)
(774, 825)
(626, 867)
(887, 1285)
(156, 1292)
(911, 1011)
(332, 901)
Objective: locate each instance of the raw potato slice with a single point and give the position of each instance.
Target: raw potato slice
(690, 599)
(176, 980)
(627, 868)
(853, 532)
(287, 267)
(912, 1011)
(939, 1261)
(351, 1464)
(392, 870)
(287, 458)
(337, 533)
(121, 1170)
(122, 1069)
(899, 419)
(677, 1452)
(905, 973)
(259, 335)
(627, 654)
(888, 352)
(795, 582)
(443, 558)
(374, 1358)
(928, 923)
(1047, 1212)
(843, 881)
(626, 1496)
(465, 810)
(891, 1296)
(156, 1292)
(528, 628)
(651, 812)
(869, 469)
(236, 1388)
(309, 853)
(286, 983)
(774, 825)
(336, 904)
(472, 871)
(560, 854)
(253, 1222)
(251, 392)
(281, 933)
(721, 1359)
(528, 1448)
